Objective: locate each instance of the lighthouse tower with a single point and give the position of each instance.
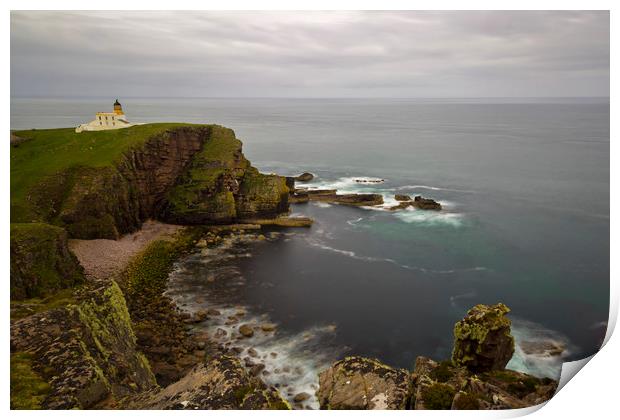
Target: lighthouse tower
(107, 120)
(118, 109)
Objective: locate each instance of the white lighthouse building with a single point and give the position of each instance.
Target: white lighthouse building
(106, 120)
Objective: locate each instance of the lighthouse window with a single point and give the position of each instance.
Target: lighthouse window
(113, 123)
(112, 118)
(99, 117)
(100, 123)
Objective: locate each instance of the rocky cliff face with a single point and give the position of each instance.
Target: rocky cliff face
(219, 384)
(41, 262)
(185, 175)
(220, 186)
(84, 354)
(475, 379)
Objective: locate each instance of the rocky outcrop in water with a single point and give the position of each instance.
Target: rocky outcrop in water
(331, 196)
(418, 202)
(475, 379)
(305, 177)
(482, 340)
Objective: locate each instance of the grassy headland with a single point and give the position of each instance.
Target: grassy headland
(48, 152)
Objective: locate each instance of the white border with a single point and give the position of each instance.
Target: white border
(592, 394)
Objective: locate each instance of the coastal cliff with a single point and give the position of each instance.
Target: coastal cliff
(112, 181)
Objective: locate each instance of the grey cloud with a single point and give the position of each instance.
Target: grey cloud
(406, 54)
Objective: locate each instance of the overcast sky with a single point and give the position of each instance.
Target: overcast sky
(310, 54)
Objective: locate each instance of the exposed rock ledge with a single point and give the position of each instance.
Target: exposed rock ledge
(475, 378)
(418, 202)
(220, 384)
(301, 195)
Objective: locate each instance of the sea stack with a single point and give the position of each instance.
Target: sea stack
(482, 340)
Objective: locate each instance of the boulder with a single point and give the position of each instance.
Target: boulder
(402, 205)
(402, 197)
(426, 203)
(542, 348)
(305, 177)
(246, 330)
(268, 327)
(482, 340)
(302, 396)
(362, 383)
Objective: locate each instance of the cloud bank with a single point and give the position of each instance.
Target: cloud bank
(310, 54)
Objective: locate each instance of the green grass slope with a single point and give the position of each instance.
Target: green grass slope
(49, 152)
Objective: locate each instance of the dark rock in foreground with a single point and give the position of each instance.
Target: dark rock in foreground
(474, 380)
(358, 383)
(220, 384)
(444, 386)
(86, 353)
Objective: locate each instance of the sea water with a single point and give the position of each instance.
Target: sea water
(524, 186)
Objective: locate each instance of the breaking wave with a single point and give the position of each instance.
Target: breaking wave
(544, 362)
(430, 218)
(350, 185)
(428, 187)
(291, 362)
(352, 254)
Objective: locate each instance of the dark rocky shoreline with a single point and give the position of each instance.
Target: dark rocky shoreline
(120, 342)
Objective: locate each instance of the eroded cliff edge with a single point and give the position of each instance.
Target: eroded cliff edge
(185, 174)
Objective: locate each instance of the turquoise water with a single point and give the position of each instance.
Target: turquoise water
(525, 190)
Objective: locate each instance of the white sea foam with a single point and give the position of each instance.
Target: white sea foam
(292, 361)
(467, 295)
(354, 222)
(430, 218)
(349, 185)
(351, 254)
(428, 187)
(321, 204)
(540, 365)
